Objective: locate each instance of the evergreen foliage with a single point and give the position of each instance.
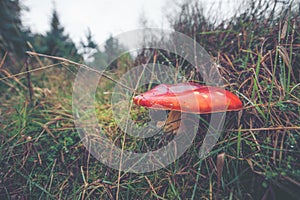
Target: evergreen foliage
(58, 43)
(12, 33)
(109, 56)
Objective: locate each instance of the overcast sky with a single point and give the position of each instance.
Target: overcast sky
(103, 17)
(106, 17)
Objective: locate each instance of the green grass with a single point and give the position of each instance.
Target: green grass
(42, 156)
(256, 156)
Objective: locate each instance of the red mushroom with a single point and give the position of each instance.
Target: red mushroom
(189, 97)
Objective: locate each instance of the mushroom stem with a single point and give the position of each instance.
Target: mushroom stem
(173, 122)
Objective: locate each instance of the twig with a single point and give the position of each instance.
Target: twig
(83, 66)
(151, 186)
(29, 81)
(267, 129)
(271, 104)
(22, 73)
(3, 59)
(36, 57)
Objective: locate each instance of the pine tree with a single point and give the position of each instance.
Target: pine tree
(12, 34)
(114, 57)
(88, 46)
(58, 43)
(113, 49)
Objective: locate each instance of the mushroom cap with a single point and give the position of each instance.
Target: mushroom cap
(189, 97)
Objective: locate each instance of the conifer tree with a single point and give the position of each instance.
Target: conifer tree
(58, 43)
(12, 33)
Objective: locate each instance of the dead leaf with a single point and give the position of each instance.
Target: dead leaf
(220, 165)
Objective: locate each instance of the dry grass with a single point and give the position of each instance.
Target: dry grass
(256, 157)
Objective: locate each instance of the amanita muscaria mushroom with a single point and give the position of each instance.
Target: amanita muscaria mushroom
(189, 98)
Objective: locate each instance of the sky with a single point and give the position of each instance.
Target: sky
(102, 17)
(105, 17)
(110, 17)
